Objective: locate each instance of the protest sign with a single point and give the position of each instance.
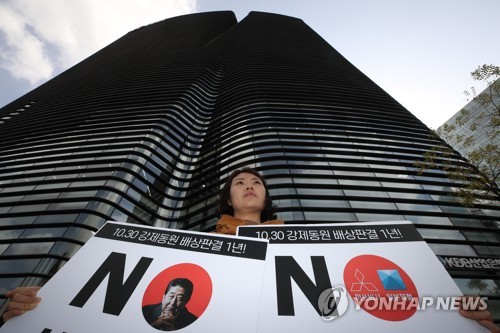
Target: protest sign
(117, 282)
(355, 277)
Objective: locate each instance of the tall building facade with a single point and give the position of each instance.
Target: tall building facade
(147, 130)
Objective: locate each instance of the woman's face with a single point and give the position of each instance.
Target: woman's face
(247, 194)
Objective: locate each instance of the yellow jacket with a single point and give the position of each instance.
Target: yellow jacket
(227, 224)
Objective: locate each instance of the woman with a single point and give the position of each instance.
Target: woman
(244, 200)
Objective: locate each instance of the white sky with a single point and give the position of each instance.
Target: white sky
(420, 52)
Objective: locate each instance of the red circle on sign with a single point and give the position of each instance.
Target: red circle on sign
(202, 286)
(381, 288)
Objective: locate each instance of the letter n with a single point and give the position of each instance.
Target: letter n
(118, 292)
(286, 270)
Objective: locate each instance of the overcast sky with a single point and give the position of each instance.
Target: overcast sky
(420, 52)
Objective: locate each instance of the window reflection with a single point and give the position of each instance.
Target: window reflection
(478, 286)
(372, 205)
(452, 249)
(329, 216)
(7, 284)
(18, 265)
(428, 219)
(441, 234)
(28, 248)
(368, 217)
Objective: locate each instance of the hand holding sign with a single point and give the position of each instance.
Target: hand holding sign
(21, 299)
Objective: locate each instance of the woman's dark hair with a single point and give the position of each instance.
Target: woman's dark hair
(269, 211)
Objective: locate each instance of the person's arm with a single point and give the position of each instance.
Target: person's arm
(21, 299)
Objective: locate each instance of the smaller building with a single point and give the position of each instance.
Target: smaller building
(469, 131)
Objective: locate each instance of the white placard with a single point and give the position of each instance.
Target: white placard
(370, 262)
(124, 267)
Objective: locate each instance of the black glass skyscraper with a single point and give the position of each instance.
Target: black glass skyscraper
(147, 129)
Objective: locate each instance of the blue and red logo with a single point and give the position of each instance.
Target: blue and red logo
(380, 287)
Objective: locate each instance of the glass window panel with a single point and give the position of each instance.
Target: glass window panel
(354, 173)
(18, 265)
(417, 207)
(108, 195)
(452, 249)
(478, 286)
(367, 217)
(319, 191)
(12, 198)
(126, 205)
(284, 203)
(77, 194)
(141, 185)
(18, 188)
(65, 249)
(470, 222)
(428, 219)
(406, 195)
(88, 183)
(441, 234)
(28, 248)
(354, 165)
(324, 203)
(364, 193)
(139, 213)
(402, 185)
(78, 234)
(487, 250)
(311, 172)
(7, 284)
(385, 166)
(455, 209)
(134, 194)
(393, 175)
(437, 187)
(49, 186)
(280, 180)
(10, 234)
(281, 191)
(42, 196)
(29, 208)
(68, 205)
(325, 181)
(17, 220)
(291, 216)
(491, 212)
(328, 216)
(3, 247)
(119, 216)
(62, 176)
(482, 236)
(43, 232)
(447, 198)
(4, 210)
(267, 163)
(49, 265)
(372, 205)
(91, 220)
(56, 218)
(359, 182)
